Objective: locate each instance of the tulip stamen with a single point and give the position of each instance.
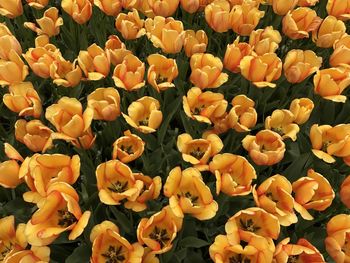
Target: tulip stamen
(249, 225)
(127, 149)
(5, 251)
(114, 254)
(292, 259)
(278, 130)
(193, 198)
(118, 187)
(144, 122)
(325, 145)
(197, 153)
(161, 79)
(66, 218)
(238, 259)
(270, 196)
(160, 235)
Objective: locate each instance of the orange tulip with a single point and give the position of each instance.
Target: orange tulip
(330, 83)
(265, 40)
(204, 106)
(301, 110)
(161, 72)
(261, 70)
(306, 3)
(116, 50)
(37, 4)
(129, 74)
(9, 170)
(195, 42)
(266, 148)
(207, 71)
(320, 141)
(243, 116)
(128, 147)
(341, 53)
(300, 64)
(144, 115)
(79, 10)
(312, 192)
(345, 192)
(108, 245)
(328, 32)
(94, 62)
(163, 7)
(282, 7)
(192, 6)
(12, 71)
(35, 254)
(23, 99)
(339, 9)
(217, 15)
(8, 42)
(105, 102)
(11, 8)
(109, 7)
(159, 231)
(34, 134)
(300, 22)
(65, 73)
(234, 174)
(235, 52)
(245, 17)
(130, 25)
(281, 121)
(49, 24)
(59, 212)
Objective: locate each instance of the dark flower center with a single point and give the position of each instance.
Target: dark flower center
(249, 225)
(160, 235)
(197, 153)
(66, 218)
(114, 255)
(118, 187)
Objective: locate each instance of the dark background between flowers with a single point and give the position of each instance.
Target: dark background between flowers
(161, 154)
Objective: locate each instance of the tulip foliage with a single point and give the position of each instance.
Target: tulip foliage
(169, 131)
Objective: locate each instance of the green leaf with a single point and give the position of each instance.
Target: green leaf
(193, 242)
(80, 254)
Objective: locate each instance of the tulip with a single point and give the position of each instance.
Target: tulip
(108, 245)
(330, 83)
(144, 115)
(35, 254)
(301, 110)
(195, 42)
(94, 62)
(261, 70)
(242, 115)
(128, 147)
(8, 42)
(339, 9)
(49, 24)
(65, 73)
(300, 64)
(282, 7)
(207, 71)
(109, 7)
(234, 174)
(193, 6)
(235, 52)
(130, 25)
(79, 10)
(328, 32)
(217, 15)
(265, 148)
(341, 53)
(161, 72)
(245, 17)
(105, 102)
(34, 134)
(9, 170)
(59, 212)
(23, 99)
(116, 50)
(204, 106)
(320, 141)
(345, 191)
(265, 40)
(163, 8)
(11, 8)
(159, 231)
(281, 121)
(165, 33)
(300, 22)
(13, 71)
(307, 3)
(38, 4)
(339, 140)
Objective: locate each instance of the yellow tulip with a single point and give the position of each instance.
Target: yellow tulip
(307, 3)
(163, 7)
(65, 73)
(330, 30)
(265, 40)
(301, 109)
(128, 147)
(109, 7)
(217, 15)
(12, 71)
(281, 7)
(345, 192)
(130, 25)
(11, 8)
(281, 121)
(33, 255)
(338, 8)
(116, 50)
(8, 42)
(79, 10)
(195, 42)
(105, 102)
(37, 4)
(341, 53)
(235, 52)
(242, 115)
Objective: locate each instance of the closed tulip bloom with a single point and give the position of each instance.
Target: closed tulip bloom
(166, 33)
(116, 50)
(129, 74)
(163, 8)
(303, 251)
(23, 99)
(330, 83)
(265, 40)
(281, 121)
(300, 22)
(8, 42)
(330, 30)
(320, 141)
(130, 25)
(193, 6)
(161, 72)
(234, 174)
(94, 62)
(207, 71)
(11, 8)
(282, 7)
(261, 70)
(195, 42)
(188, 194)
(339, 140)
(108, 245)
(242, 115)
(32, 255)
(105, 102)
(34, 134)
(9, 170)
(339, 9)
(144, 115)
(59, 212)
(128, 147)
(65, 73)
(345, 192)
(79, 10)
(341, 53)
(217, 15)
(159, 231)
(245, 18)
(235, 52)
(109, 7)
(49, 24)
(300, 64)
(307, 3)
(265, 148)
(13, 70)
(37, 4)
(301, 109)
(204, 106)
